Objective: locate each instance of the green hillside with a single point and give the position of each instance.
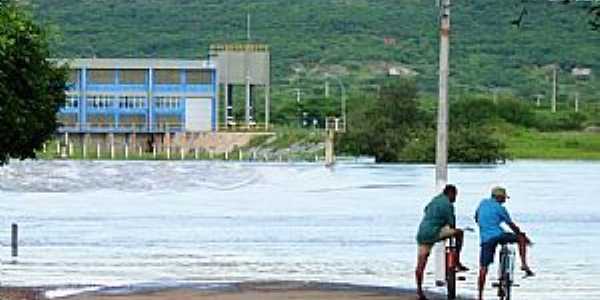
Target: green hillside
(346, 38)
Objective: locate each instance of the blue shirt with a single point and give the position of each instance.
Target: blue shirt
(490, 214)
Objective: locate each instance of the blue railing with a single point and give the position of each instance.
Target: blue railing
(122, 127)
(168, 88)
(116, 88)
(200, 88)
(183, 88)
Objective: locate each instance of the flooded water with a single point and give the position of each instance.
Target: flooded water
(176, 223)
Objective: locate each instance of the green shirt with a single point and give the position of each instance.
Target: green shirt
(438, 213)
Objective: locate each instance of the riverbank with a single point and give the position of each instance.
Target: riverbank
(564, 145)
(276, 290)
(282, 145)
(16, 293)
(264, 291)
(307, 146)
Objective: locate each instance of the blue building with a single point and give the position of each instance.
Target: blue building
(140, 96)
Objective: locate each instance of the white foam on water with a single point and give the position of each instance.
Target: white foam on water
(67, 292)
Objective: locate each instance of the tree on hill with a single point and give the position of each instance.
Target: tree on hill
(593, 8)
(395, 127)
(385, 126)
(31, 87)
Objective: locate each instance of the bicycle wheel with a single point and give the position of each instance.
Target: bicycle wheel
(451, 283)
(507, 286)
(502, 277)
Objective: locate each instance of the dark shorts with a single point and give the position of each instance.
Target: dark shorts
(488, 249)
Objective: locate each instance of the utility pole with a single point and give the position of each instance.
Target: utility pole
(495, 95)
(298, 94)
(441, 159)
(248, 114)
(554, 87)
(298, 99)
(344, 119)
(343, 95)
(249, 104)
(248, 23)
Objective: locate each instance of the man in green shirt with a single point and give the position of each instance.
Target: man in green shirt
(438, 224)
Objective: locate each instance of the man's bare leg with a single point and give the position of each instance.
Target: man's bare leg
(523, 242)
(422, 257)
(459, 236)
(481, 282)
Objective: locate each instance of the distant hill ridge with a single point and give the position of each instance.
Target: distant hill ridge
(353, 35)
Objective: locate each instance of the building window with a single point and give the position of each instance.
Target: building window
(199, 76)
(167, 77)
(132, 102)
(168, 123)
(132, 77)
(72, 101)
(100, 101)
(102, 76)
(167, 102)
(134, 122)
(100, 121)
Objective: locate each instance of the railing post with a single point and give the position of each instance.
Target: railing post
(15, 240)
(167, 141)
(66, 137)
(112, 145)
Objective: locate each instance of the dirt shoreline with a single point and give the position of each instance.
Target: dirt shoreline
(18, 293)
(239, 291)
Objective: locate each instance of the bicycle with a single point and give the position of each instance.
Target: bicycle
(506, 270)
(451, 264)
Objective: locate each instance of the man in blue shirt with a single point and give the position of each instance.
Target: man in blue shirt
(490, 215)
